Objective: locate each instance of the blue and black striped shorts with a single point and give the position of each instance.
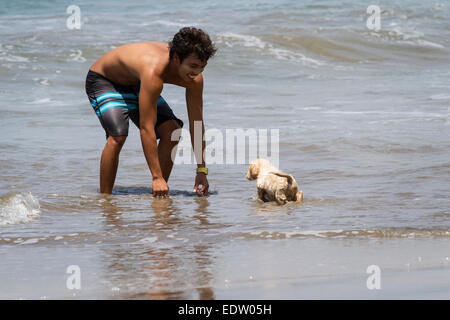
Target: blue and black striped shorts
(115, 104)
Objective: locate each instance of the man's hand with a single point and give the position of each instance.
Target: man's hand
(200, 179)
(160, 188)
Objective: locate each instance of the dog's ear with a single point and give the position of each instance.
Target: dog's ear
(252, 172)
(248, 174)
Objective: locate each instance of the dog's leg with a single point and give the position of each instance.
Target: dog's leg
(299, 196)
(280, 197)
(261, 194)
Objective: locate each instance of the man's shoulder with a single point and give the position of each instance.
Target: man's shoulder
(153, 58)
(144, 57)
(146, 45)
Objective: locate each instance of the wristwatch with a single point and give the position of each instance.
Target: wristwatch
(203, 170)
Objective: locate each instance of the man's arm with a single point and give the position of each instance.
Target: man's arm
(194, 103)
(151, 87)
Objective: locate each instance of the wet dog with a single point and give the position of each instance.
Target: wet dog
(273, 184)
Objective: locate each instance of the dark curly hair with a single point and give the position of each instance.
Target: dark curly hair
(189, 40)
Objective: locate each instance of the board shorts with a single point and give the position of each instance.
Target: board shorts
(115, 104)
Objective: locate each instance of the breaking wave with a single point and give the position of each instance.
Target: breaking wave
(18, 208)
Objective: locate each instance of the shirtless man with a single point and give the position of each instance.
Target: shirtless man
(127, 83)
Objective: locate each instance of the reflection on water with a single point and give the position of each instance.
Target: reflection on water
(121, 190)
(157, 266)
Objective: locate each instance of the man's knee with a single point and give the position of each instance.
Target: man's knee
(170, 130)
(117, 141)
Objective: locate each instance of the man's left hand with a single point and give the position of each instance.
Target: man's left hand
(200, 179)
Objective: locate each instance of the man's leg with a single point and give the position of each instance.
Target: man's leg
(110, 162)
(166, 145)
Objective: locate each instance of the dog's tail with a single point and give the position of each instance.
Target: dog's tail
(298, 195)
(290, 178)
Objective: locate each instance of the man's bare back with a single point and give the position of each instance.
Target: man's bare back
(125, 64)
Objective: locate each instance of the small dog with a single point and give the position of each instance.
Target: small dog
(272, 184)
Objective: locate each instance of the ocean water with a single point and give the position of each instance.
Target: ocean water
(363, 120)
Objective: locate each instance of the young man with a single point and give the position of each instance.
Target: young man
(127, 83)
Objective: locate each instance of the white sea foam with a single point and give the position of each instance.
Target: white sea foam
(441, 96)
(424, 43)
(40, 101)
(18, 208)
(5, 55)
(314, 233)
(170, 23)
(413, 37)
(235, 39)
(284, 54)
(148, 240)
(30, 241)
(232, 39)
(165, 23)
(12, 58)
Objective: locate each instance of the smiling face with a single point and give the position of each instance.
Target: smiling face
(190, 67)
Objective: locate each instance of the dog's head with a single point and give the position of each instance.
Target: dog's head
(255, 168)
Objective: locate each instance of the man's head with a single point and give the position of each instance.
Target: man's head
(192, 40)
(191, 48)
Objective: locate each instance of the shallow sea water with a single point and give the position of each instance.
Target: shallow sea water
(363, 120)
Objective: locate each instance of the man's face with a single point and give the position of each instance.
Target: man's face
(191, 67)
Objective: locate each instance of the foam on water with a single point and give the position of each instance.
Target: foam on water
(18, 208)
(441, 96)
(148, 240)
(233, 39)
(352, 233)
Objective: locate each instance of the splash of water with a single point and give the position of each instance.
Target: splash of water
(18, 208)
